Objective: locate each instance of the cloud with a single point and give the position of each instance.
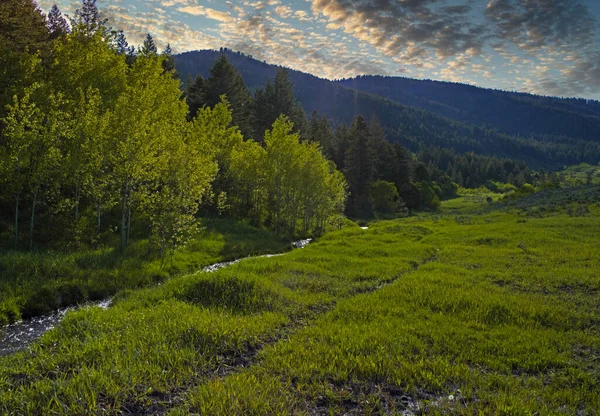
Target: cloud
(410, 29)
(532, 25)
(540, 46)
(560, 33)
(283, 11)
(559, 36)
(205, 11)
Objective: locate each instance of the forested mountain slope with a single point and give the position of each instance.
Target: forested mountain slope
(414, 127)
(510, 112)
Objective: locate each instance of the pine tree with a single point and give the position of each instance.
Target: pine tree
(23, 32)
(195, 96)
(279, 99)
(57, 24)
(23, 26)
(264, 110)
(149, 47)
(88, 18)
(169, 62)
(121, 44)
(131, 56)
(319, 130)
(405, 167)
(360, 167)
(225, 80)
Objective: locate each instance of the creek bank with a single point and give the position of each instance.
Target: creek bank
(19, 335)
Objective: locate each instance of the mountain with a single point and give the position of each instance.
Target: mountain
(563, 132)
(509, 112)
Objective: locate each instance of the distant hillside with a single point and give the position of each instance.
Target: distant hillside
(434, 125)
(510, 112)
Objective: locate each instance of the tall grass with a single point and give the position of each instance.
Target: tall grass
(435, 316)
(35, 283)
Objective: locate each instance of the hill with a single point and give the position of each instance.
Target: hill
(436, 123)
(509, 112)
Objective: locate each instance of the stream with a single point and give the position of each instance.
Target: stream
(17, 336)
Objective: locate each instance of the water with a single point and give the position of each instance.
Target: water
(19, 335)
(217, 266)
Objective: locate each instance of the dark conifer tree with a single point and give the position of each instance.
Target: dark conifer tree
(341, 144)
(276, 99)
(195, 96)
(57, 24)
(319, 130)
(169, 62)
(264, 110)
(421, 173)
(22, 26)
(387, 166)
(131, 55)
(360, 167)
(225, 80)
(121, 44)
(285, 100)
(89, 17)
(149, 47)
(23, 31)
(405, 165)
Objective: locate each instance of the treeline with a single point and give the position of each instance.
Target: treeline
(96, 138)
(471, 170)
(549, 143)
(383, 178)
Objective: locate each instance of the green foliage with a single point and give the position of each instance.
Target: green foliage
(288, 184)
(224, 80)
(429, 193)
(385, 197)
(120, 153)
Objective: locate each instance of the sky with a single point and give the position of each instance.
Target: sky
(547, 47)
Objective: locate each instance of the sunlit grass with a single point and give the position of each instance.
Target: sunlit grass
(505, 321)
(155, 341)
(474, 314)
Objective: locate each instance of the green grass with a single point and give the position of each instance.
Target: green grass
(35, 283)
(494, 315)
(500, 328)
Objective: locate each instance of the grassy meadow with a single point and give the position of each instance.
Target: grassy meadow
(35, 283)
(461, 313)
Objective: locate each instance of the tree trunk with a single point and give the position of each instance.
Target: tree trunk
(123, 231)
(31, 225)
(76, 203)
(128, 223)
(98, 223)
(17, 220)
(124, 218)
